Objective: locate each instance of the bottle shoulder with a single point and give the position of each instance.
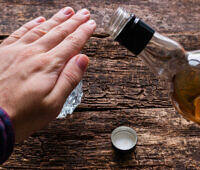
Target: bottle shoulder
(164, 56)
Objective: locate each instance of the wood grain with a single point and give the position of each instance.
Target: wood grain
(164, 16)
(118, 90)
(117, 79)
(82, 141)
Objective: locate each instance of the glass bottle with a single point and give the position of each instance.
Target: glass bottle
(165, 57)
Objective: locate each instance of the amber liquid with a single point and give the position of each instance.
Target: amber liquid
(168, 59)
(186, 93)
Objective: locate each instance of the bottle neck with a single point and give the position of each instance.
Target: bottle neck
(129, 31)
(163, 55)
(117, 22)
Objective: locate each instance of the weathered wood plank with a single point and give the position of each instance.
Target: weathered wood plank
(165, 16)
(114, 86)
(116, 79)
(165, 141)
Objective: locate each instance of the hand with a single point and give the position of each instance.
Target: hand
(40, 66)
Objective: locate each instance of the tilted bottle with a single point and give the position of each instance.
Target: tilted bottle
(165, 57)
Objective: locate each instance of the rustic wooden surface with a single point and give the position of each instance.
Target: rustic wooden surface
(118, 90)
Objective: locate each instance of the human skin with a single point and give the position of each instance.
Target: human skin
(40, 66)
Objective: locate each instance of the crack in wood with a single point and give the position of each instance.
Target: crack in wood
(2, 37)
(96, 35)
(100, 35)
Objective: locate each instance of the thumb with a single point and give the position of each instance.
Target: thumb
(68, 79)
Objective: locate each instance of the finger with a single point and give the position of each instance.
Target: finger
(60, 32)
(45, 27)
(23, 30)
(72, 44)
(68, 79)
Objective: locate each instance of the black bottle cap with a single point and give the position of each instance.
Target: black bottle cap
(135, 35)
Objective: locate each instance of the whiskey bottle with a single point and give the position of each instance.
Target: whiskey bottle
(165, 57)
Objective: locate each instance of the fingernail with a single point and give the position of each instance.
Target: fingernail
(91, 22)
(40, 19)
(82, 62)
(84, 12)
(67, 10)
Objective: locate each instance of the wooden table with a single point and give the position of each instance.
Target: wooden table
(118, 90)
